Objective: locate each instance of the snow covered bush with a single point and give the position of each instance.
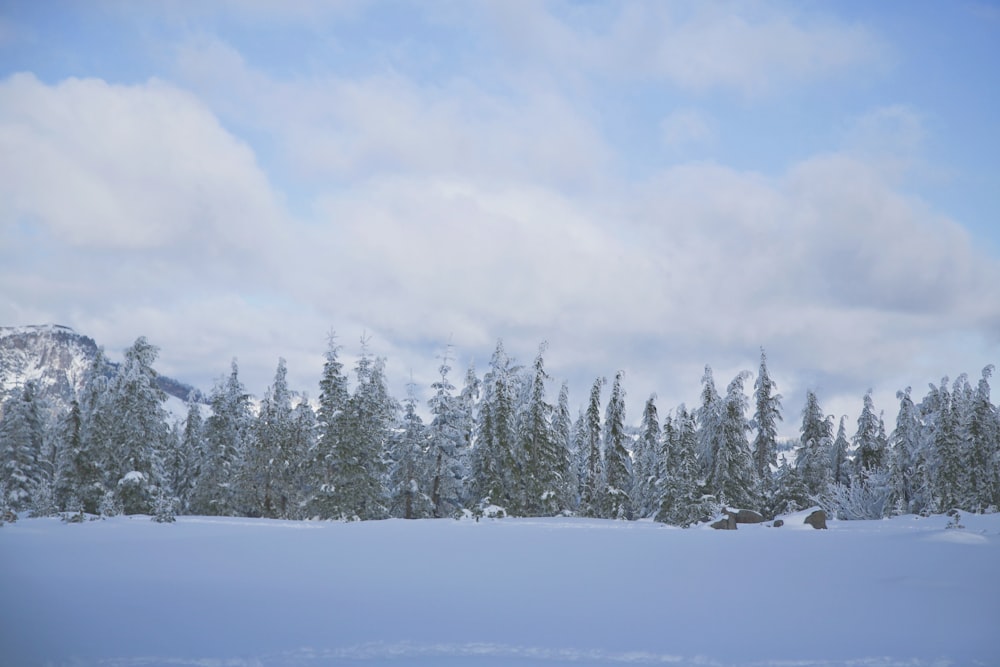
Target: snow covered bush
(108, 507)
(165, 511)
(866, 498)
(135, 493)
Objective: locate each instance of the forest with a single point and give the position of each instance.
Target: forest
(495, 446)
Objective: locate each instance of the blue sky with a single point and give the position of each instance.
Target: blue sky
(649, 186)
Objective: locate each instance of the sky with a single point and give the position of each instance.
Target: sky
(650, 187)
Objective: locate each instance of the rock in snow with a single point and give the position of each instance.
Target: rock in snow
(817, 520)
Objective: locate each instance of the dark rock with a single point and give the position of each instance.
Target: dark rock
(817, 520)
(727, 522)
(778, 523)
(749, 516)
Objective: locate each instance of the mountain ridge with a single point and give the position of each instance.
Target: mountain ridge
(57, 357)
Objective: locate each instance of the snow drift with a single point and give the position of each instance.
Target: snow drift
(242, 592)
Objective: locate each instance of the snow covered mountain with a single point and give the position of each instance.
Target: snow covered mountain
(56, 357)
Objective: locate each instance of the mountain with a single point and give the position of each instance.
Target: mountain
(57, 358)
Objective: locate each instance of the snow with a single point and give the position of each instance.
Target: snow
(133, 477)
(125, 592)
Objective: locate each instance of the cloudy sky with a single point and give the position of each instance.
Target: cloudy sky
(650, 186)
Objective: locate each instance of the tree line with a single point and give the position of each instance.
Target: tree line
(496, 446)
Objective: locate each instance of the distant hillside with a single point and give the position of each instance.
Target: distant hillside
(57, 358)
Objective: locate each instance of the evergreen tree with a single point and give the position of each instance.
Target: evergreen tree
(21, 432)
(226, 433)
(814, 455)
(840, 468)
(333, 397)
(934, 410)
(72, 460)
(562, 442)
(647, 461)
(139, 432)
(359, 471)
(408, 462)
(902, 456)
(447, 444)
(790, 491)
(592, 498)
(617, 462)
(733, 478)
(546, 463)
(82, 434)
(269, 460)
(495, 460)
(709, 417)
(468, 402)
(951, 471)
(870, 452)
(869, 495)
(302, 448)
(767, 414)
(182, 465)
(984, 447)
(681, 500)
(578, 459)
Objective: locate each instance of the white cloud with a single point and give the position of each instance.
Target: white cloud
(894, 130)
(685, 126)
(749, 48)
(138, 167)
(340, 127)
(827, 265)
(752, 48)
(455, 208)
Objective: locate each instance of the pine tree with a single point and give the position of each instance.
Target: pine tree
(21, 432)
(870, 488)
(984, 447)
(563, 447)
(545, 464)
(578, 459)
(766, 416)
(870, 455)
(182, 465)
(360, 461)
(709, 417)
(733, 479)
(85, 435)
(814, 454)
(951, 445)
(592, 498)
(302, 448)
(936, 437)
(268, 460)
(617, 462)
(840, 465)
(333, 398)
(495, 460)
(139, 433)
(681, 500)
(468, 402)
(409, 482)
(226, 433)
(647, 461)
(790, 491)
(447, 443)
(902, 456)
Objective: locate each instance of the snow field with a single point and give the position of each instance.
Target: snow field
(242, 592)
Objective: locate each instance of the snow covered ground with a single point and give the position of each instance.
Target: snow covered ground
(237, 592)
